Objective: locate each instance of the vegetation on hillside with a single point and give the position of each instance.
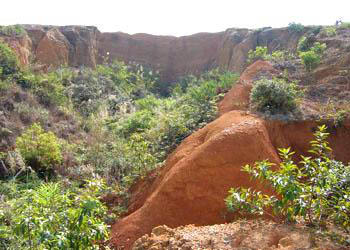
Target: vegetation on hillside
(125, 124)
(68, 134)
(315, 191)
(12, 30)
(274, 96)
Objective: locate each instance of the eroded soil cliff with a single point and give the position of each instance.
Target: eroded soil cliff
(173, 56)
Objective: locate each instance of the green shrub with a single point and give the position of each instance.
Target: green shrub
(29, 113)
(274, 96)
(316, 191)
(310, 59)
(258, 53)
(136, 122)
(329, 31)
(4, 85)
(12, 30)
(50, 90)
(295, 27)
(41, 150)
(279, 56)
(54, 216)
(305, 43)
(262, 54)
(141, 157)
(319, 48)
(316, 29)
(8, 61)
(311, 56)
(345, 25)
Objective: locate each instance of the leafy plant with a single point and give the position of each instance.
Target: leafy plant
(8, 61)
(54, 216)
(305, 43)
(258, 53)
(41, 150)
(311, 58)
(315, 30)
(13, 30)
(316, 190)
(274, 96)
(329, 31)
(345, 25)
(295, 27)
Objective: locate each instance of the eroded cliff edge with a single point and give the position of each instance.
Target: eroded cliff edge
(75, 46)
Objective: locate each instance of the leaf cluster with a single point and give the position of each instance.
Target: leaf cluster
(274, 96)
(316, 190)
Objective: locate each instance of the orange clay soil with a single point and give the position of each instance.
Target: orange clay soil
(195, 180)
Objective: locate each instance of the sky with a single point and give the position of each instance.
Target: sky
(176, 17)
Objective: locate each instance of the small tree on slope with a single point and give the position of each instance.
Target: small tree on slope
(316, 191)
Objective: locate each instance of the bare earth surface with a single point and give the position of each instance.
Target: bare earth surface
(243, 235)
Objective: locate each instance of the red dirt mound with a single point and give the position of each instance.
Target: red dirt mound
(192, 186)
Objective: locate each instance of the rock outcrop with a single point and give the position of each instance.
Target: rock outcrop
(173, 57)
(53, 49)
(257, 234)
(22, 46)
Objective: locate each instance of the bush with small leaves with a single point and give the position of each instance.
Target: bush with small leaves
(305, 43)
(345, 25)
(311, 58)
(329, 31)
(274, 96)
(316, 190)
(41, 150)
(258, 53)
(12, 30)
(9, 64)
(295, 27)
(54, 216)
(316, 29)
(319, 48)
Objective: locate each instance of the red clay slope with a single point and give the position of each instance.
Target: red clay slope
(191, 188)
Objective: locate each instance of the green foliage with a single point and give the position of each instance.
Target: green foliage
(109, 88)
(8, 62)
(276, 56)
(4, 85)
(143, 159)
(258, 53)
(274, 96)
(315, 30)
(319, 48)
(345, 25)
(29, 113)
(310, 59)
(310, 52)
(53, 216)
(41, 150)
(144, 137)
(12, 30)
(329, 31)
(295, 27)
(305, 43)
(316, 191)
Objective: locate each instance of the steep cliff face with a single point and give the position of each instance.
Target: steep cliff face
(172, 56)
